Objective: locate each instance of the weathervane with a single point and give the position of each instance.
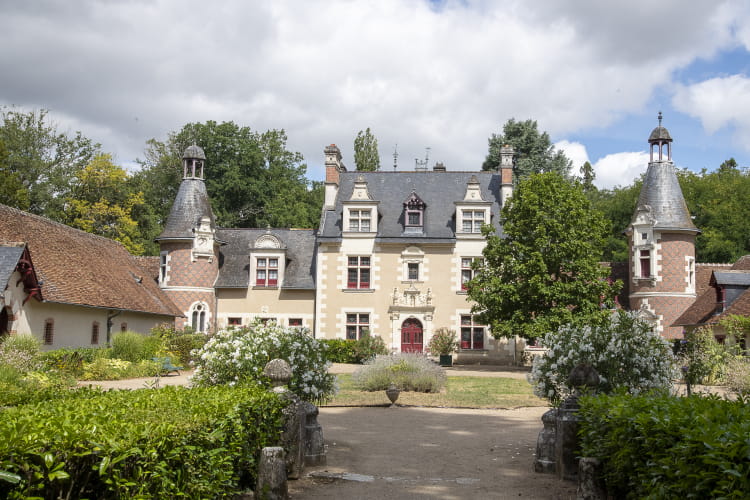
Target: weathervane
(660, 118)
(422, 165)
(395, 157)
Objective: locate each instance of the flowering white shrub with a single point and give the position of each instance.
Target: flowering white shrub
(239, 355)
(626, 353)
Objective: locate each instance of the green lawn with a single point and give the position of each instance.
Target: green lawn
(461, 392)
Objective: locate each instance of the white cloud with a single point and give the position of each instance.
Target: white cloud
(418, 73)
(576, 153)
(619, 169)
(718, 102)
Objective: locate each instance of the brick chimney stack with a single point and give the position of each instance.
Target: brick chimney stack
(334, 167)
(507, 153)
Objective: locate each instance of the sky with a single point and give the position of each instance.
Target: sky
(420, 74)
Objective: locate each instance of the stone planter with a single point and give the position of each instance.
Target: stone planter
(446, 360)
(392, 392)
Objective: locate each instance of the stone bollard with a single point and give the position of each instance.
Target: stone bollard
(293, 434)
(545, 444)
(315, 453)
(271, 484)
(590, 482)
(566, 438)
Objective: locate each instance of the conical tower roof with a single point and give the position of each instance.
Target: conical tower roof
(190, 205)
(661, 194)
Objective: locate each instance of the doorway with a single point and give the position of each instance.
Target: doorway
(411, 335)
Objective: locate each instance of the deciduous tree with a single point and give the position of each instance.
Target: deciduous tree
(535, 151)
(544, 271)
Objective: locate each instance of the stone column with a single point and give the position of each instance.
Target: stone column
(272, 480)
(293, 434)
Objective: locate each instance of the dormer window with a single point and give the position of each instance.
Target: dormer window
(359, 220)
(267, 272)
(472, 221)
(414, 214)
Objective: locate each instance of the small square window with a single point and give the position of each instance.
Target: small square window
(644, 236)
(413, 271)
(235, 321)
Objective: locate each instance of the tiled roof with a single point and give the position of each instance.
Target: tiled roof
(75, 267)
(438, 190)
(234, 261)
(9, 255)
(703, 309)
(150, 266)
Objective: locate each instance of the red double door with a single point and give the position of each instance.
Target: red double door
(411, 336)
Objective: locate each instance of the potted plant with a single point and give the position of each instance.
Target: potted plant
(443, 343)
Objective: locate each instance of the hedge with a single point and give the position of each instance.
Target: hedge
(661, 446)
(166, 443)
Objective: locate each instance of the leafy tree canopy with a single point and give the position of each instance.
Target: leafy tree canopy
(40, 161)
(101, 202)
(535, 151)
(366, 156)
(251, 177)
(544, 271)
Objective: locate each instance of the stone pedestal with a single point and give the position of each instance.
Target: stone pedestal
(545, 444)
(272, 479)
(590, 483)
(566, 440)
(315, 453)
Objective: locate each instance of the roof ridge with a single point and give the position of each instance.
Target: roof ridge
(46, 220)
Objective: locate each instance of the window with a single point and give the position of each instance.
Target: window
(163, 267)
(645, 259)
(412, 271)
(267, 272)
(357, 325)
(265, 321)
(198, 318)
(413, 218)
(95, 332)
(472, 220)
(472, 334)
(49, 331)
(234, 321)
(414, 214)
(359, 220)
(467, 273)
(295, 322)
(691, 273)
(358, 272)
(123, 327)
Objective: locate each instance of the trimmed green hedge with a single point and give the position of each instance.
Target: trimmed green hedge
(166, 443)
(662, 446)
(340, 350)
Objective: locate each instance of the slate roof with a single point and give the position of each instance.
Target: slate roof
(190, 205)
(75, 267)
(234, 257)
(703, 309)
(9, 255)
(732, 277)
(439, 191)
(662, 192)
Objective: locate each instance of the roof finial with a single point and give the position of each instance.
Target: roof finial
(660, 118)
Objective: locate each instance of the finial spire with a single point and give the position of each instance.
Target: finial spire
(660, 118)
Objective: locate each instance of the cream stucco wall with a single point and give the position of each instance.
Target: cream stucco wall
(257, 302)
(72, 323)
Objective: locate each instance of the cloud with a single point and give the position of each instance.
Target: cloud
(616, 169)
(718, 102)
(418, 73)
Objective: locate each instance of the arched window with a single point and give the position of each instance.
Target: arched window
(198, 317)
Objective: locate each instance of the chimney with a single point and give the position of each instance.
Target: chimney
(439, 167)
(333, 168)
(507, 154)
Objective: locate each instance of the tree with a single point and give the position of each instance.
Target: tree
(253, 180)
(40, 161)
(12, 191)
(535, 151)
(544, 271)
(618, 206)
(366, 156)
(587, 177)
(101, 202)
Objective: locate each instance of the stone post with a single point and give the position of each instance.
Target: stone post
(590, 482)
(566, 439)
(292, 437)
(315, 453)
(272, 484)
(545, 444)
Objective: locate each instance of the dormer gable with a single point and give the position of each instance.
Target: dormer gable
(414, 214)
(473, 211)
(360, 211)
(360, 191)
(473, 190)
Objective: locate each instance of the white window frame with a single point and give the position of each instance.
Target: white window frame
(358, 325)
(466, 269)
(476, 218)
(472, 326)
(357, 219)
(359, 267)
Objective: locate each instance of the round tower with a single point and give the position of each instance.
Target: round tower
(189, 261)
(661, 239)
